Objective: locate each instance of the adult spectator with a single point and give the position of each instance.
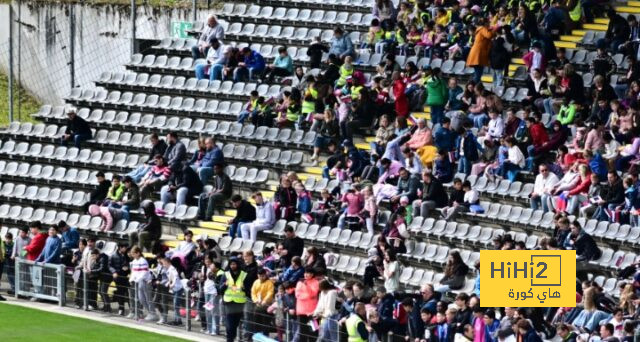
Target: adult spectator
(479, 54)
(262, 295)
(437, 95)
(235, 291)
(407, 187)
(100, 192)
(444, 138)
(606, 333)
(618, 30)
(245, 213)
(251, 66)
(282, 66)
(292, 245)
(78, 130)
(341, 45)
(119, 269)
(70, 236)
(175, 153)
(155, 178)
(211, 30)
(158, 146)
(22, 240)
(214, 199)
(148, 234)
(212, 156)
(50, 254)
(527, 332)
(455, 273)
(466, 149)
(433, 196)
(100, 278)
(265, 218)
(464, 315)
(217, 57)
(471, 198)
(613, 196)
(514, 162)
(542, 188)
(357, 329)
(584, 244)
(181, 187)
(385, 11)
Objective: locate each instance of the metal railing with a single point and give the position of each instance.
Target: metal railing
(40, 281)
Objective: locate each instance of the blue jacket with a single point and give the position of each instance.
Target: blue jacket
(291, 275)
(341, 46)
(444, 139)
(212, 157)
(470, 147)
(491, 331)
(385, 307)
(454, 102)
(52, 250)
(70, 238)
(254, 61)
(598, 166)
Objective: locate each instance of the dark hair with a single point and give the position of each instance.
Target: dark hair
(173, 134)
(609, 327)
(407, 301)
(62, 224)
(262, 271)
(236, 198)
(35, 224)
(114, 177)
(127, 179)
(100, 174)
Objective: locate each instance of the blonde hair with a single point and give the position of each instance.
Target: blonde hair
(202, 143)
(589, 299)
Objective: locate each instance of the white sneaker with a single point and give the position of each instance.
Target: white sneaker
(161, 321)
(150, 317)
(197, 319)
(131, 315)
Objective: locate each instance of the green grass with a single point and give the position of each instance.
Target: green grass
(24, 324)
(25, 105)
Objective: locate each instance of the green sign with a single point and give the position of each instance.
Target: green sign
(179, 29)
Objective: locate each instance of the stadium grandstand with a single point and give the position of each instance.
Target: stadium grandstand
(329, 171)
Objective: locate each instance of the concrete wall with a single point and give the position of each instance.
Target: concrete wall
(102, 42)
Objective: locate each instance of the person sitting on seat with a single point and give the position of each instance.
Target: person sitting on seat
(78, 130)
(252, 65)
(212, 30)
(216, 59)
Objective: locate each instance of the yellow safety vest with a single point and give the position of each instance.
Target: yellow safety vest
(234, 291)
(355, 92)
(576, 12)
(344, 73)
(293, 115)
(352, 328)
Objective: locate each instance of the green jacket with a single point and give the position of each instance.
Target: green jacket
(437, 92)
(115, 194)
(566, 114)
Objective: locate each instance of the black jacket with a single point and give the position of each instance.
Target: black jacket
(315, 54)
(100, 269)
(78, 125)
(434, 191)
(246, 212)
(586, 248)
(614, 193)
(118, 262)
(100, 193)
(158, 149)
(186, 179)
(153, 225)
(456, 196)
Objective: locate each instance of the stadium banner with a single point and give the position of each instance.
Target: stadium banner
(179, 29)
(528, 278)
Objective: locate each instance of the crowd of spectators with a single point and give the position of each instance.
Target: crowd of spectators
(579, 144)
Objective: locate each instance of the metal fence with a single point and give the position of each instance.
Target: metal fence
(40, 281)
(48, 48)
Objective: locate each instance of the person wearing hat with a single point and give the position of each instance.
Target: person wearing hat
(234, 289)
(217, 57)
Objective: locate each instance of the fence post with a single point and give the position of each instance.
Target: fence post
(62, 291)
(286, 326)
(17, 276)
(72, 45)
(10, 65)
(187, 308)
(133, 27)
(135, 298)
(194, 9)
(85, 289)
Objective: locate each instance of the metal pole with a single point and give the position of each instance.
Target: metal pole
(133, 27)
(19, 60)
(194, 9)
(85, 289)
(135, 298)
(17, 275)
(187, 308)
(286, 326)
(10, 64)
(62, 291)
(72, 45)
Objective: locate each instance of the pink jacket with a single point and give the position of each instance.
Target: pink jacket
(307, 292)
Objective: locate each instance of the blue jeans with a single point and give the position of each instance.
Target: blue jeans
(464, 166)
(195, 52)
(328, 329)
(139, 172)
(11, 274)
(498, 75)
(321, 141)
(235, 228)
(478, 119)
(78, 139)
(437, 114)
(507, 167)
(548, 105)
(213, 316)
(178, 299)
(242, 73)
(205, 173)
(375, 148)
(477, 73)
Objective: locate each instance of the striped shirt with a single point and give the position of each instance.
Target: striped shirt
(139, 270)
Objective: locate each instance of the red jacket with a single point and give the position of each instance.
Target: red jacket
(402, 104)
(539, 134)
(582, 187)
(35, 247)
